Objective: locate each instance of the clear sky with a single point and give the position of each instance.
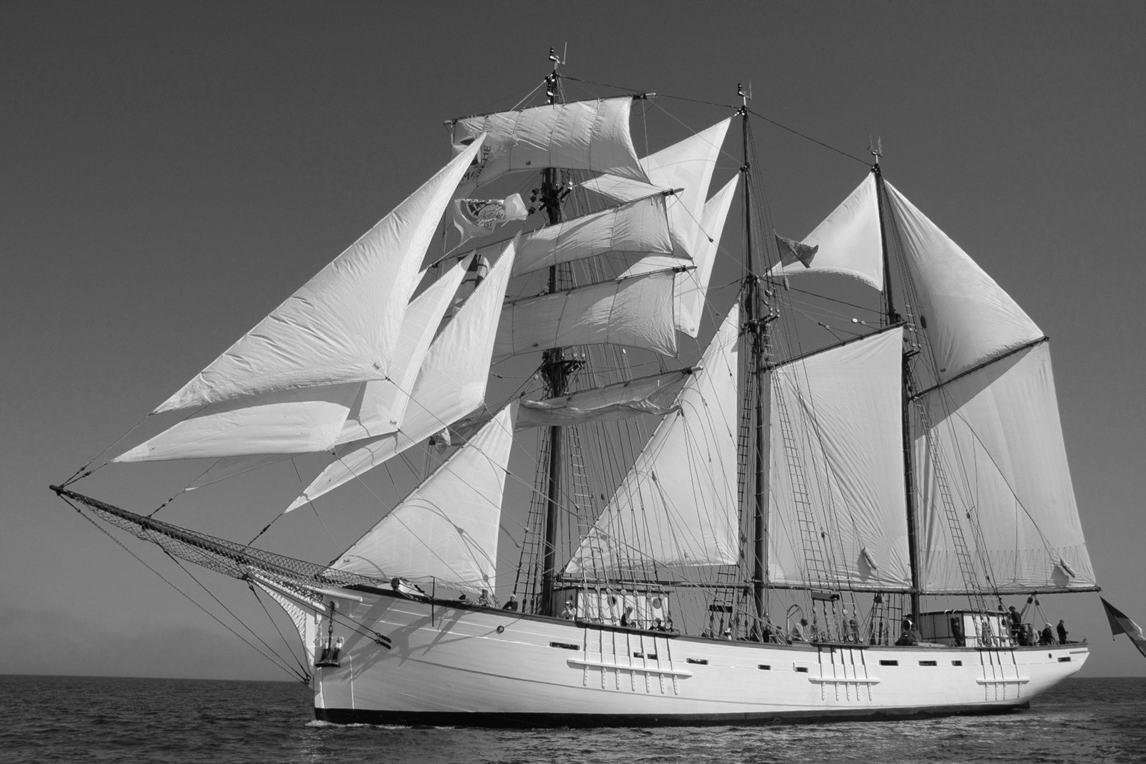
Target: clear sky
(171, 171)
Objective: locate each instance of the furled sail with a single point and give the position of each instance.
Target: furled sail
(691, 286)
(968, 318)
(688, 166)
(678, 503)
(383, 402)
(619, 400)
(996, 434)
(584, 135)
(447, 528)
(637, 312)
(847, 242)
(451, 384)
(639, 227)
(837, 515)
(343, 324)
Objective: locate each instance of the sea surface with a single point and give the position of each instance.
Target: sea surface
(96, 719)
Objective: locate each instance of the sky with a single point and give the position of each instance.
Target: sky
(172, 171)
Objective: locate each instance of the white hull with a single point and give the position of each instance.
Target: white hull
(471, 666)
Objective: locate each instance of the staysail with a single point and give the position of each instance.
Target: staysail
(343, 324)
(678, 503)
(310, 419)
(687, 165)
(691, 286)
(447, 528)
(451, 383)
(846, 243)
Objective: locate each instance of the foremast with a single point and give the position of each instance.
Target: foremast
(555, 371)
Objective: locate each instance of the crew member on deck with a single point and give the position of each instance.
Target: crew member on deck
(570, 611)
(511, 603)
(1061, 632)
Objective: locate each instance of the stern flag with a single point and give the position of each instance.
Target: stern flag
(1120, 624)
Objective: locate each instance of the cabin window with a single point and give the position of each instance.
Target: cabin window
(699, 661)
(889, 663)
(928, 663)
(650, 656)
(956, 663)
(564, 645)
(764, 667)
(1064, 660)
(801, 669)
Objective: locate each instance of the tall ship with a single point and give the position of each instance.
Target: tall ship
(636, 496)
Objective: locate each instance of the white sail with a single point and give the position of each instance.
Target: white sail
(637, 312)
(342, 325)
(999, 441)
(968, 318)
(847, 241)
(619, 400)
(451, 384)
(691, 287)
(314, 418)
(585, 135)
(836, 438)
(283, 422)
(383, 402)
(640, 227)
(687, 166)
(678, 503)
(447, 529)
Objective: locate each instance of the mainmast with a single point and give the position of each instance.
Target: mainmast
(555, 370)
(755, 328)
(891, 316)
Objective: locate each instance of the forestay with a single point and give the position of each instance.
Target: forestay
(677, 505)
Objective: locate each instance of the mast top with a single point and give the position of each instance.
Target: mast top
(552, 78)
(875, 148)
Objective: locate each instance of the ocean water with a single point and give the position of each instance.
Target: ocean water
(89, 719)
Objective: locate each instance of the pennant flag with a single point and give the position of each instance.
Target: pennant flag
(792, 251)
(1120, 624)
(478, 217)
